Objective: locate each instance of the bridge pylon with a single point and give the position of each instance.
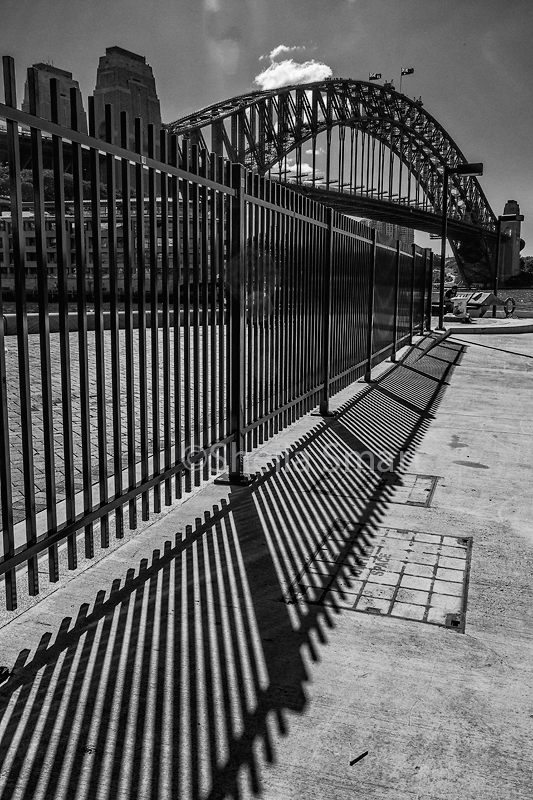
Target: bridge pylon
(511, 243)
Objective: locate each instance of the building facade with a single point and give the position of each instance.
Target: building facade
(126, 82)
(44, 73)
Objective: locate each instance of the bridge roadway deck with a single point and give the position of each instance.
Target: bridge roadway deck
(172, 669)
(387, 211)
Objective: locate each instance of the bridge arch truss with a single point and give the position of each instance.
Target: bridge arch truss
(361, 147)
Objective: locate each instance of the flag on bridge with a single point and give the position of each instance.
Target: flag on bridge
(407, 70)
(374, 76)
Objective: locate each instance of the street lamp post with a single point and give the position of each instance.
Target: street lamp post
(460, 169)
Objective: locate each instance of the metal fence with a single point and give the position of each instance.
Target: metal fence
(185, 311)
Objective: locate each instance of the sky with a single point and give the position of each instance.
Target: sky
(472, 60)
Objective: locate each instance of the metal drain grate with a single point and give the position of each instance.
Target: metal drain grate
(408, 488)
(402, 573)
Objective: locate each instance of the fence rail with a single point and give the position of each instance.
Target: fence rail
(232, 306)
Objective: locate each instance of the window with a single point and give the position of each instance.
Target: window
(30, 241)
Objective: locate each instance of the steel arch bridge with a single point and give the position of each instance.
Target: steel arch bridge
(362, 148)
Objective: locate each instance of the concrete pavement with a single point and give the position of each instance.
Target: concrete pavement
(218, 653)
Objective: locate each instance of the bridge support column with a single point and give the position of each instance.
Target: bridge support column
(217, 138)
(510, 243)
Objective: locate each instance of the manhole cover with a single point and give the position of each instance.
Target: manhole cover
(408, 488)
(400, 573)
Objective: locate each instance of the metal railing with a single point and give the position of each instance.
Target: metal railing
(231, 307)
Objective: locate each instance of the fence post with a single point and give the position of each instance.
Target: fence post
(19, 267)
(412, 307)
(237, 299)
(429, 298)
(424, 286)
(396, 300)
(370, 321)
(326, 318)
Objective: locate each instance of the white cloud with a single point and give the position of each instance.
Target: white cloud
(288, 72)
(317, 152)
(282, 48)
(304, 167)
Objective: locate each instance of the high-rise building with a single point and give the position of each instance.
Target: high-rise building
(405, 235)
(44, 72)
(126, 82)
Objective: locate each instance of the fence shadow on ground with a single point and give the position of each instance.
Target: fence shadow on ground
(180, 681)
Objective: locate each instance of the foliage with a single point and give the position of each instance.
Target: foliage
(526, 264)
(48, 185)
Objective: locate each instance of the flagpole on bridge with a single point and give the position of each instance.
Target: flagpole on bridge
(405, 71)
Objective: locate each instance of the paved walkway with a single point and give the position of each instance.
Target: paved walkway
(218, 653)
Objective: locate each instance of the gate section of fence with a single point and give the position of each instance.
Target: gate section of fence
(163, 312)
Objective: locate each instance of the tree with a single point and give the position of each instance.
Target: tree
(26, 176)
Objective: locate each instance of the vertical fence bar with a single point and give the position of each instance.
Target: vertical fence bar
(429, 290)
(203, 232)
(299, 302)
(185, 194)
(223, 299)
(422, 289)
(154, 321)
(326, 315)
(62, 236)
(113, 313)
(19, 261)
(176, 306)
(99, 335)
(272, 284)
(263, 299)
(307, 232)
(128, 249)
(237, 326)
(6, 493)
(396, 301)
(293, 298)
(165, 292)
(278, 316)
(412, 300)
(252, 267)
(370, 311)
(141, 308)
(44, 328)
(81, 268)
(285, 253)
(196, 271)
(214, 267)
(230, 207)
